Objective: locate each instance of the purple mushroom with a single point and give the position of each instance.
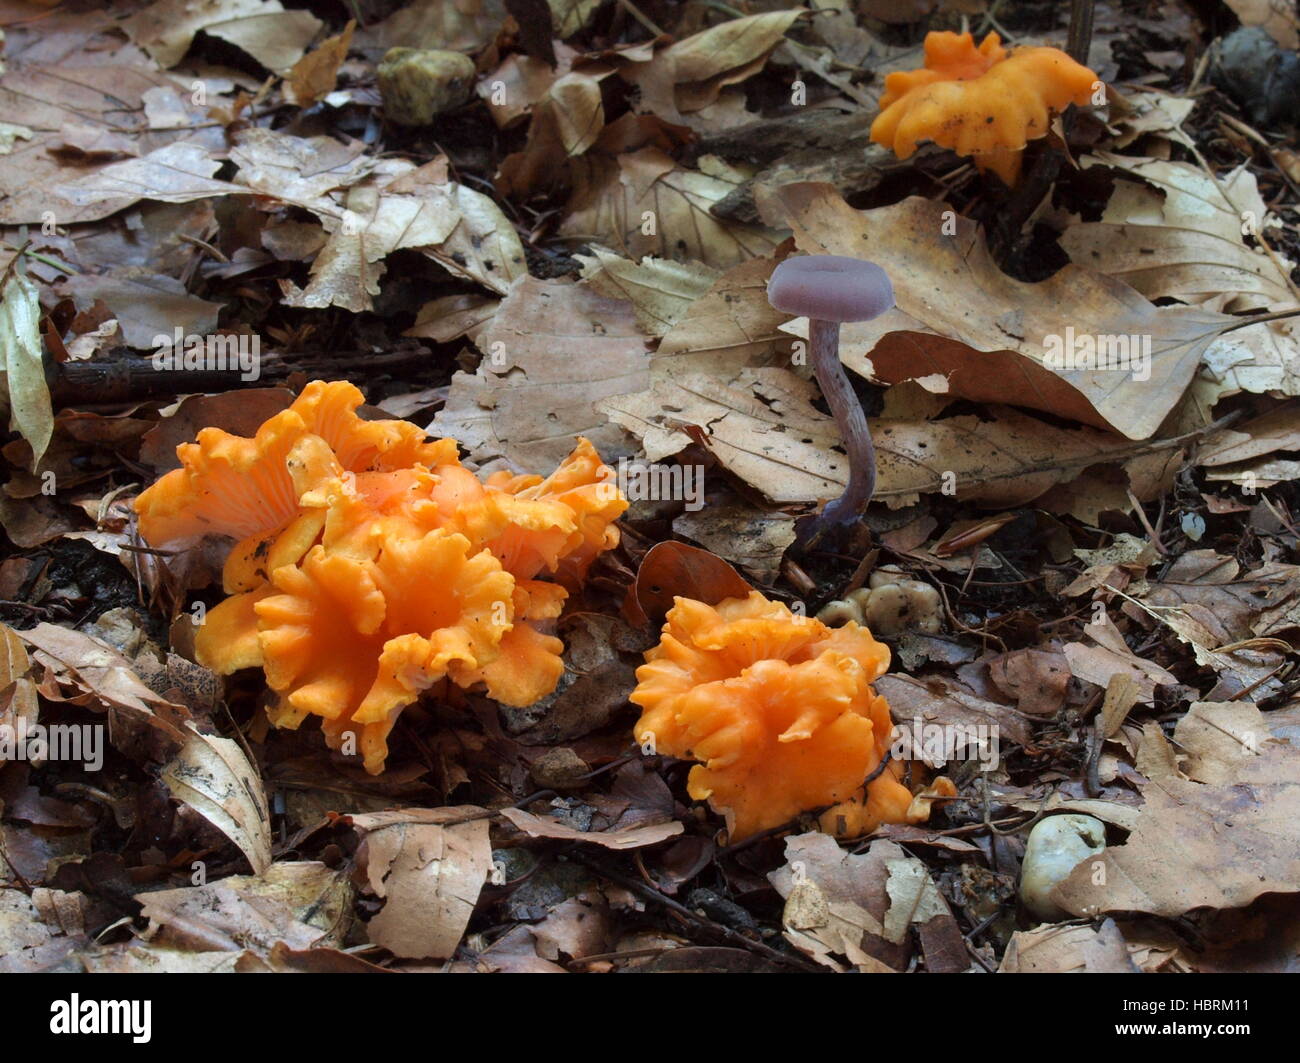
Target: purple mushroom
(829, 290)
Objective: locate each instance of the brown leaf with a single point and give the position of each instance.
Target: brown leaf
(300, 904)
(463, 26)
(1199, 846)
(1037, 679)
(276, 38)
(105, 677)
(429, 865)
(672, 569)
(762, 426)
(688, 76)
(1124, 816)
(525, 403)
(937, 701)
(644, 203)
(753, 538)
(1061, 949)
(959, 316)
(147, 305)
(576, 928)
(1262, 603)
(177, 173)
(214, 777)
(315, 74)
(240, 413)
(1111, 656)
(1155, 757)
(1180, 233)
(837, 903)
(1218, 737)
(662, 291)
(1278, 429)
(49, 97)
(630, 838)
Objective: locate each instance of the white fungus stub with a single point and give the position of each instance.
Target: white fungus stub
(1056, 846)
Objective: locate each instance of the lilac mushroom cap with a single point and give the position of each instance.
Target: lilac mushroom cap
(830, 288)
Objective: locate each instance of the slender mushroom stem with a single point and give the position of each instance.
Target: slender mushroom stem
(824, 348)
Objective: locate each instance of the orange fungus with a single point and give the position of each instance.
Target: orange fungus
(779, 711)
(370, 564)
(983, 102)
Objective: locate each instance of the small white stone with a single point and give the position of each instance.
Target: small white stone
(1193, 526)
(1056, 846)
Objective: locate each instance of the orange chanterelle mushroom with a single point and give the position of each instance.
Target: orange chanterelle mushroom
(369, 564)
(779, 710)
(985, 102)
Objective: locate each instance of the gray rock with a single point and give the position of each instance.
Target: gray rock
(1056, 846)
(1260, 75)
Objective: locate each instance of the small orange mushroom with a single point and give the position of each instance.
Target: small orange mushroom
(985, 102)
(371, 564)
(779, 710)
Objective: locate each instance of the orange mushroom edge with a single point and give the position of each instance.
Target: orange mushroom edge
(779, 711)
(983, 102)
(370, 564)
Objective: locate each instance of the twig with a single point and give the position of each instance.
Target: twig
(1080, 37)
(640, 16)
(1142, 518)
(766, 951)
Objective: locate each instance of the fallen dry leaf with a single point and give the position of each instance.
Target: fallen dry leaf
(627, 838)
(1184, 238)
(688, 76)
(1201, 846)
(177, 173)
(960, 317)
(316, 73)
(644, 203)
(662, 291)
(103, 678)
(1262, 603)
(214, 777)
(525, 403)
(1110, 656)
(276, 38)
(428, 865)
(1217, 737)
(838, 907)
(1063, 949)
(300, 904)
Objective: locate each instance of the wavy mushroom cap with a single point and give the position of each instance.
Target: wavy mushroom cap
(830, 287)
(989, 117)
(226, 485)
(778, 709)
(329, 409)
(250, 488)
(370, 564)
(587, 488)
(948, 57)
(357, 641)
